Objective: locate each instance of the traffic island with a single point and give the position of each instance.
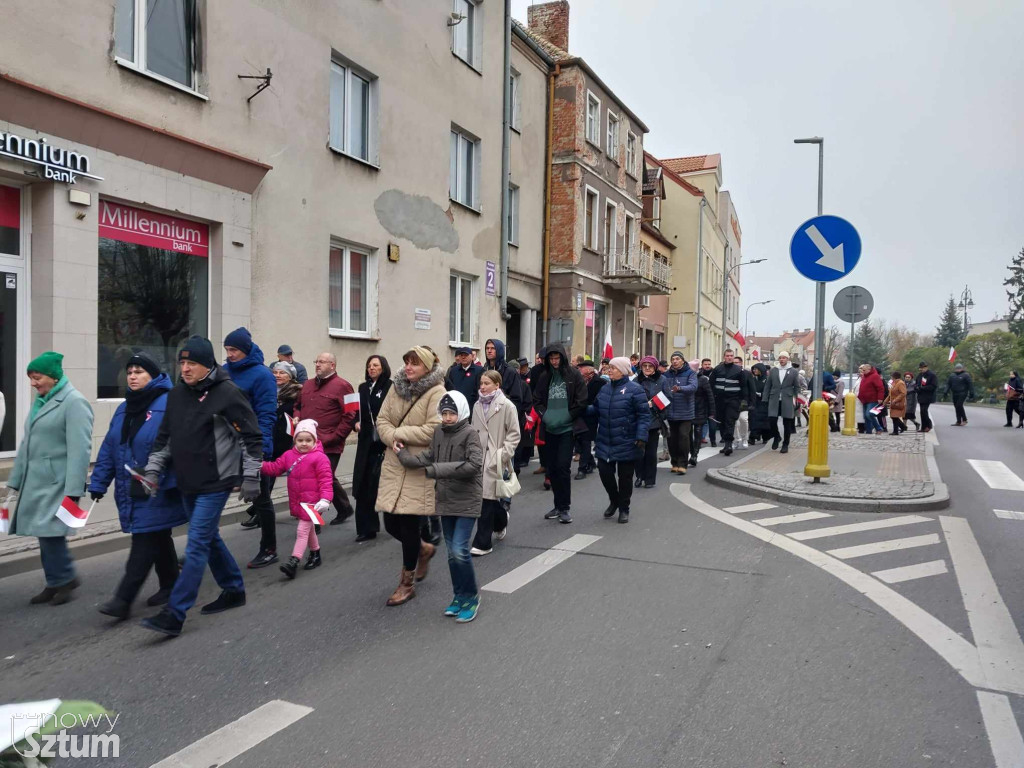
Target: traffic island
(870, 473)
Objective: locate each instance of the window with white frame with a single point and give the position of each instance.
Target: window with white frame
(590, 219)
(159, 37)
(464, 168)
(466, 32)
(610, 226)
(461, 298)
(349, 289)
(613, 136)
(631, 158)
(593, 119)
(656, 211)
(514, 80)
(513, 214)
(630, 233)
(353, 111)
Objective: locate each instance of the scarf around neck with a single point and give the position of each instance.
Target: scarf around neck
(136, 404)
(487, 400)
(42, 400)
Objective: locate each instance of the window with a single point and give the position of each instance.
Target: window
(610, 227)
(353, 112)
(464, 169)
(513, 214)
(631, 157)
(160, 37)
(590, 220)
(656, 211)
(593, 119)
(514, 95)
(461, 308)
(348, 289)
(154, 282)
(613, 136)
(629, 331)
(466, 37)
(630, 231)
(596, 323)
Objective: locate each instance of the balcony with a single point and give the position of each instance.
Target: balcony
(635, 271)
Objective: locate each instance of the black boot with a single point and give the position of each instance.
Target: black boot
(624, 515)
(252, 522)
(291, 567)
(63, 594)
(118, 608)
(785, 447)
(226, 601)
(775, 443)
(159, 598)
(612, 509)
(313, 561)
(165, 623)
(638, 482)
(727, 450)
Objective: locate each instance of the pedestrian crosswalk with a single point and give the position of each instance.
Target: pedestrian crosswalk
(1009, 514)
(997, 475)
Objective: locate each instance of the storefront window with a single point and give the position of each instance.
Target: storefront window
(10, 221)
(153, 289)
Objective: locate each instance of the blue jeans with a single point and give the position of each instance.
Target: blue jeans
(58, 567)
(457, 531)
(204, 546)
(870, 420)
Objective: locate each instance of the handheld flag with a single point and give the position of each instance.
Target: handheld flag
(952, 354)
(5, 517)
(311, 514)
(660, 401)
(352, 403)
(289, 425)
(608, 343)
(73, 515)
(140, 477)
(828, 395)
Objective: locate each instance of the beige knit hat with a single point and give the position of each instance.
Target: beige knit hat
(425, 356)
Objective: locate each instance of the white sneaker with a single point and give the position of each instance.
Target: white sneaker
(500, 535)
(744, 445)
(479, 552)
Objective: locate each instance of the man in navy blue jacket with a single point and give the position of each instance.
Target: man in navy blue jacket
(245, 367)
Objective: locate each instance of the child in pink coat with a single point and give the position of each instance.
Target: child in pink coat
(310, 481)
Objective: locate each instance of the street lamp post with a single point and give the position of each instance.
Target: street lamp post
(725, 297)
(819, 304)
(966, 302)
(746, 317)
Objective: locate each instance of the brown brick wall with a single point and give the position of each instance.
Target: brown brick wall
(550, 21)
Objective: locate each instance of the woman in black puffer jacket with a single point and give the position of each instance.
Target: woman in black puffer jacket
(653, 384)
(760, 426)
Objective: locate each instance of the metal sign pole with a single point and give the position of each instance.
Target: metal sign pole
(819, 304)
(853, 313)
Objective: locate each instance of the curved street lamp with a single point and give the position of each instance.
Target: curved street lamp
(725, 297)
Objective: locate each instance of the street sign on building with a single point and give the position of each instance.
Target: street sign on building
(825, 248)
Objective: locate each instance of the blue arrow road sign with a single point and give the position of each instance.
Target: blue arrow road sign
(825, 248)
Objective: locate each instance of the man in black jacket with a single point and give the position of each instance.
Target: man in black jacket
(560, 399)
(211, 437)
(927, 382)
(464, 376)
(703, 409)
(961, 387)
(511, 384)
(731, 385)
(586, 441)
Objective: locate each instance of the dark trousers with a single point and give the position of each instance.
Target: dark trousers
(58, 567)
(558, 450)
(958, 404)
(926, 420)
(619, 492)
(341, 502)
(406, 529)
(263, 508)
(696, 435)
(679, 442)
(788, 428)
(898, 425)
(493, 517)
(1012, 408)
(151, 549)
(649, 470)
(586, 451)
(728, 412)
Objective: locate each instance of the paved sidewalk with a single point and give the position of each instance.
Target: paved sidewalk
(870, 473)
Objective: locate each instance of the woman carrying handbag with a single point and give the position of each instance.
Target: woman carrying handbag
(497, 422)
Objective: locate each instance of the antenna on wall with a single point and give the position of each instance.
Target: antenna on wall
(262, 86)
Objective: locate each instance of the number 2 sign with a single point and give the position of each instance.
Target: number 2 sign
(491, 267)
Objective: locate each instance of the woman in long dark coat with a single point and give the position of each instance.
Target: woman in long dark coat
(369, 449)
(760, 429)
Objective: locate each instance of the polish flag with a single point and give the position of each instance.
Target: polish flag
(531, 419)
(73, 515)
(289, 425)
(739, 339)
(828, 395)
(660, 401)
(352, 403)
(952, 354)
(608, 344)
(5, 517)
(311, 513)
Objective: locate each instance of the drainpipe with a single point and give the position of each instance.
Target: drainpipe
(700, 272)
(506, 170)
(546, 269)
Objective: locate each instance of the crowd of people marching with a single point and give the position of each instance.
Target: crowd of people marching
(438, 452)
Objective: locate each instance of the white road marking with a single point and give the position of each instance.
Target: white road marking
(958, 652)
(911, 572)
(704, 454)
(758, 507)
(931, 437)
(1001, 726)
(870, 525)
(892, 545)
(1009, 514)
(235, 738)
(998, 476)
(799, 517)
(995, 634)
(540, 565)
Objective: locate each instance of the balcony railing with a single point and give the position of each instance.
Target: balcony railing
(634, 270)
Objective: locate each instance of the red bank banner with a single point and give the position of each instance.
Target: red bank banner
(10, 207)
(134, 225)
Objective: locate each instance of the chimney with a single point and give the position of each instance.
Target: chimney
(550, 21)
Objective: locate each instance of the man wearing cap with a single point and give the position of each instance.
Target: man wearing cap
(212, 439)
(285, 354)
(926, 383)
(464, 376)
(961, 387)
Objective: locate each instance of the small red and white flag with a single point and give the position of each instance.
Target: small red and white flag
(952, 354)
(311, 513)
(828, 395)
(608, 344)
(289, 425)
(660, 401)
(5, 517)
(73, 515)
(352, 403)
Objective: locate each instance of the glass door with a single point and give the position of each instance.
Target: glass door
(12, 317)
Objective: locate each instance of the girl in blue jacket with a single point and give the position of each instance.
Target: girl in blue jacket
(133, 429)
(623, 422)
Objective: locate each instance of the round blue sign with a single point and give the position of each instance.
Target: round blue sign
(825, 248)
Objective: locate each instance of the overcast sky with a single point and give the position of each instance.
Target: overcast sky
(921, 103)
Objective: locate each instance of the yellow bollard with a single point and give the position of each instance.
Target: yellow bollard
(817, 442)
(850, 407)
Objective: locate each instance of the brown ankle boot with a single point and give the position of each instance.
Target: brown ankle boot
(423, 564)
(406, 589)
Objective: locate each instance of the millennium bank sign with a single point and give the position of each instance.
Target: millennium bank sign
(57, 164)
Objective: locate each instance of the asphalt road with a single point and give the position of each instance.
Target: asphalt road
(676, 640)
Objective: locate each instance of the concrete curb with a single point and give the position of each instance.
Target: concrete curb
(938, 500)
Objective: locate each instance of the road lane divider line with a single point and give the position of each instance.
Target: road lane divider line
(911, 572)
(995, 634)
(541, 564)
(799, 517)
(700, 457)
(1009, 514)
(870, 525)
(758, 507)
(238, 737)
(958, 652)
(998, 476)
(1001, 726)
(890, 545)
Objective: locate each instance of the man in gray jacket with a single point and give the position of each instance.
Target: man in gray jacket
(780, 394)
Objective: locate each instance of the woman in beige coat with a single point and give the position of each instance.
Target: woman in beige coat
(497, 422)
(407, 419)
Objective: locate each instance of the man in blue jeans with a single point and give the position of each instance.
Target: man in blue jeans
(207, 417)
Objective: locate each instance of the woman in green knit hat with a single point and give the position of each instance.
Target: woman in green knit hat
(52, 463)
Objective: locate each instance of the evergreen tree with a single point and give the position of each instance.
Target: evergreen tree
(1015, 293)
(870, 347)
(951, 330)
